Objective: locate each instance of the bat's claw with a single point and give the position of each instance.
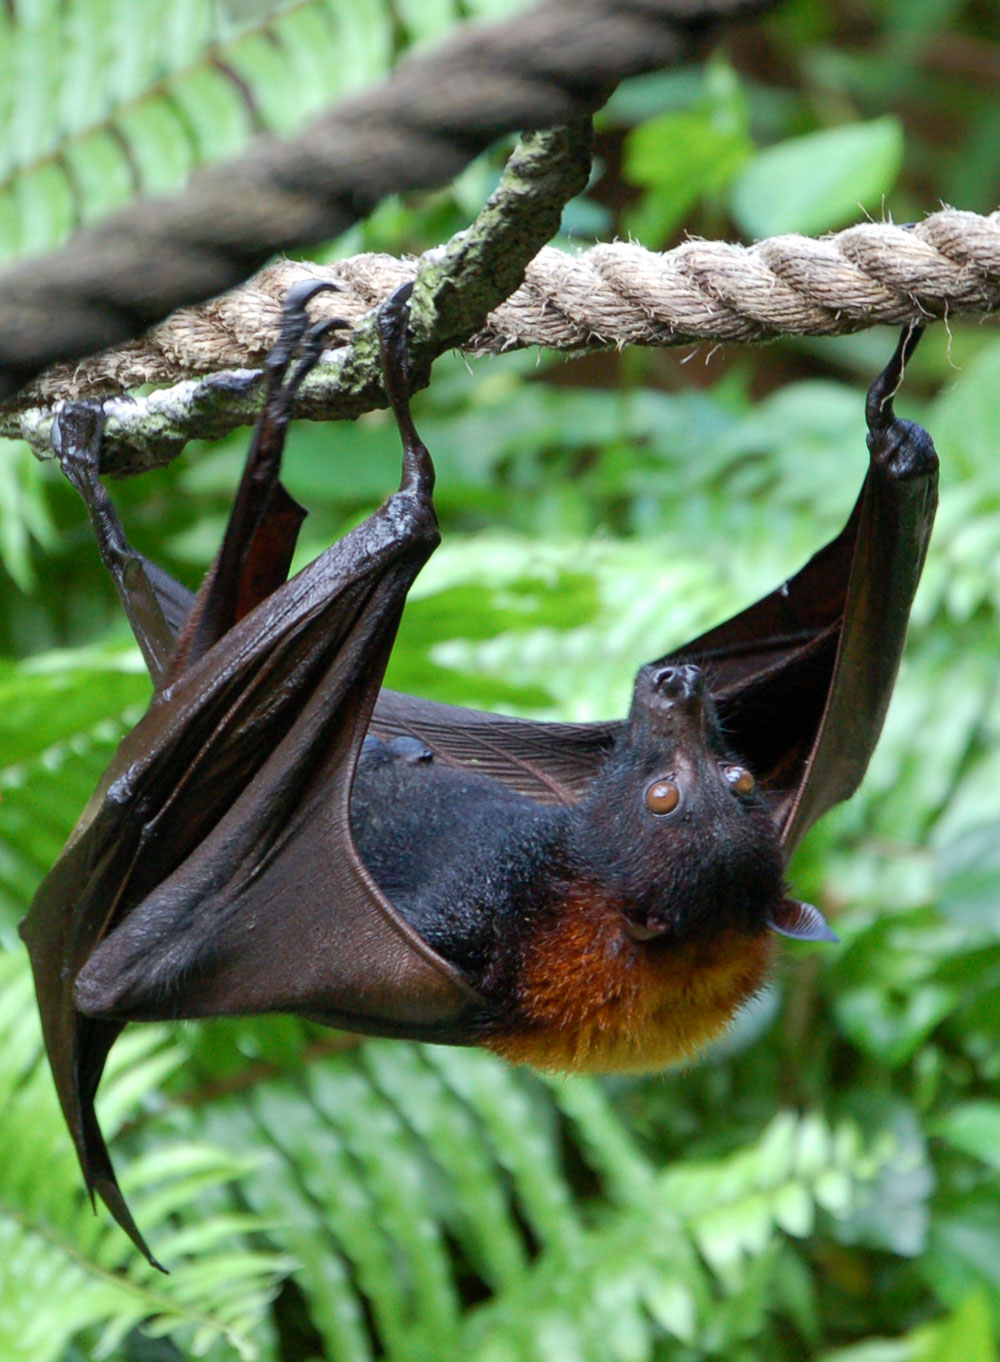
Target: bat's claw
(878, 407)
(393, 320)
(310, 352)
(297, 336)
(903, 448)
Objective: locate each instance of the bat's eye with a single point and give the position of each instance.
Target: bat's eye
(741, 782)
(662, 796)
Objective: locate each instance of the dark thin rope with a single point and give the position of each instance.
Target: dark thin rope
(551, 65)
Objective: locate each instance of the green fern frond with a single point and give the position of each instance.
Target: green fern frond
(410, 1182)
(102, 102)
(60, 1264)
(690, 1255)
(61, 717)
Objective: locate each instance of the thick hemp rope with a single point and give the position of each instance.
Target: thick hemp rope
(616, 294)
(457, 286)
(550, 65)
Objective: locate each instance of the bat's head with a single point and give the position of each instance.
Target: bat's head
(675, 821)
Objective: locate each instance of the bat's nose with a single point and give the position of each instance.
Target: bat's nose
(673, 697)
(679, 683)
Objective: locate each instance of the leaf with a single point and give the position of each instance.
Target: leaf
(683, 156)
(973, 1127)
(680, 158)
(63, 1269)
(964, 418)
(817, 182)
(967, 1335)
(24, 513)
(969, 878)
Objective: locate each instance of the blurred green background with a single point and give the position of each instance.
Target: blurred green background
(826, 1184)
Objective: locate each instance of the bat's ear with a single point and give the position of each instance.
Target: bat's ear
(801, 921)
(802, 679)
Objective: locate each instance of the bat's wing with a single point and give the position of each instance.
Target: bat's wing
(213, 871)
(235, 897)
(553, 763)
(802, 678)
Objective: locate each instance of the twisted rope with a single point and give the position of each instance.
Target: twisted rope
(617, 294)
(457, 285)
(551, 65)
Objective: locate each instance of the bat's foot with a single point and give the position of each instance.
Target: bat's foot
(393, 319)
(295, 321)
(902, 448)
(299, 346)
(76, 437)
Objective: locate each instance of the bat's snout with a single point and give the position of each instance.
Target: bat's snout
(679, 685)
(673, 693)
(672, 701)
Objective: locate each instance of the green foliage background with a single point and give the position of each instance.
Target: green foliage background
(825, 1184)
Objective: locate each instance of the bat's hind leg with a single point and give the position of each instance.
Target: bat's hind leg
(418, 470)
(293, 356)
(260, 537)
(153, 602)
(77, 434)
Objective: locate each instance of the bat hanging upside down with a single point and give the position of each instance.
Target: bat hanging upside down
(277, 835)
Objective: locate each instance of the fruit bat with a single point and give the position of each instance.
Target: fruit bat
(279, 835)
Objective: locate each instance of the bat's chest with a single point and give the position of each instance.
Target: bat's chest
(594, 999)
